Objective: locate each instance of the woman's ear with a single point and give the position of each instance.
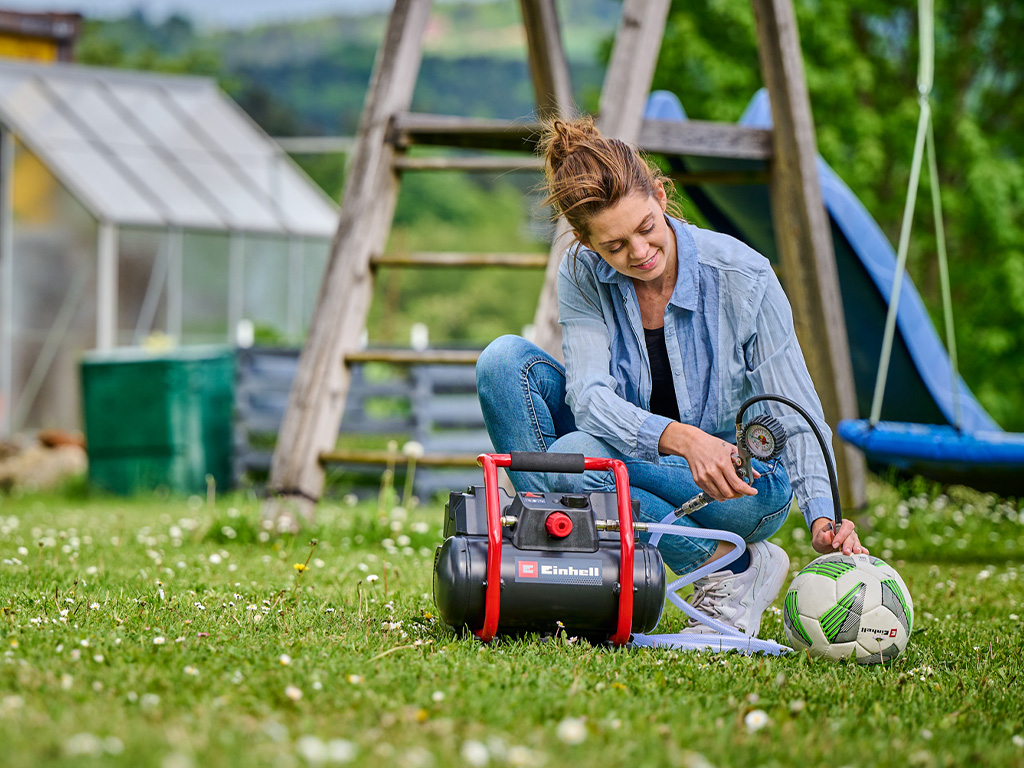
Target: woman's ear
(661, 195)
(581, 240)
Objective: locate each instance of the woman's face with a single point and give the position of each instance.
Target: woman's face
(633, 236)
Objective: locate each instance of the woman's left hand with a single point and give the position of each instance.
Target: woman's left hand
(846, 540)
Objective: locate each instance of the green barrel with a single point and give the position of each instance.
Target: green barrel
(159, 419)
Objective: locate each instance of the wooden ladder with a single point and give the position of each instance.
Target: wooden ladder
(386, 131)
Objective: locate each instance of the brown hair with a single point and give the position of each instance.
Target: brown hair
(585, 172)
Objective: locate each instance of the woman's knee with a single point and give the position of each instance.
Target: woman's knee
(503, 353)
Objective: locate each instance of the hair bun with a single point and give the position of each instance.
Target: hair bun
(562, 137)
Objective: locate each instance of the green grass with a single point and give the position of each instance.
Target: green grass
(168, 632)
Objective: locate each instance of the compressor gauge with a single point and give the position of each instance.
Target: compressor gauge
(764, 437)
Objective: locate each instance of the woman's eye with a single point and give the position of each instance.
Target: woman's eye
(615, 249)
(647, 231)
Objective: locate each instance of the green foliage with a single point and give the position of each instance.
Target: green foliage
(134, 43)
(167, 631)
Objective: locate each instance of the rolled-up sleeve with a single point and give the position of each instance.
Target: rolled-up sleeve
(775, 364)
(591, 390)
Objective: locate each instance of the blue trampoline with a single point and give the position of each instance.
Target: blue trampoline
(914, 432)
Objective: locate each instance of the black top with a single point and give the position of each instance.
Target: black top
(663, 391)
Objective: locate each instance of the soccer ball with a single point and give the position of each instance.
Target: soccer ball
(844, 606)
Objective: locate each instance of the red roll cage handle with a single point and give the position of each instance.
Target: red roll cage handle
(554, 462)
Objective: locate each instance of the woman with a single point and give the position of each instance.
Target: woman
(667, 329)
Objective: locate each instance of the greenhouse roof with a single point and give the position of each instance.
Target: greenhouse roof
(150, 150)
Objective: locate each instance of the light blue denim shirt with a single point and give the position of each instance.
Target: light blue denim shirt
(729, 334)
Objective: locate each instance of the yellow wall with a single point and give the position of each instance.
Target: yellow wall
(36, 49)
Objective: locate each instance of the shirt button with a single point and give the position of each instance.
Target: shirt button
(686, 413)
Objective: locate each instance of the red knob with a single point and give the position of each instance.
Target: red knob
(558, 524)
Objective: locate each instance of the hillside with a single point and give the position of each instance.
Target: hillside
(310, 77)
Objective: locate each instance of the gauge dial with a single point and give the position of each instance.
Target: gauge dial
(764, 437)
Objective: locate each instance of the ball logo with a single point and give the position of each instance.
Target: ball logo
(892, 632)
(527, 569)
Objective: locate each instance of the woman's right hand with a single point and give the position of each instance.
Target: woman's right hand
(712, 461)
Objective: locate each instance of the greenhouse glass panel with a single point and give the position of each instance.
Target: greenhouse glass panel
(205, 288)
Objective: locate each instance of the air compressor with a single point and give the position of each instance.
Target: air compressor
(543, 561)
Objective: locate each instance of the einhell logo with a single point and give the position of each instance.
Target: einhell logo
(881, 632)
(559, 570)
(527, 569)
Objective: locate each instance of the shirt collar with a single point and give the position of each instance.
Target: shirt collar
(684, 295)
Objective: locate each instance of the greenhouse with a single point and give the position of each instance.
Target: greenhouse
(139, 208)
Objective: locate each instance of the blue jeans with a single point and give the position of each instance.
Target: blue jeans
(522, 395)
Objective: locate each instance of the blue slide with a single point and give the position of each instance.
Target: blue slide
(914, 434)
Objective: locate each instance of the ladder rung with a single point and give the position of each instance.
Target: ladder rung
(414, 357)
(480, 164)
(736, 178)
(471, 132)
(697, 138)
(442, 259)
(702, 138)
(386, 457)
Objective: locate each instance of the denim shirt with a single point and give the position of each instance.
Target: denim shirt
(729, 333)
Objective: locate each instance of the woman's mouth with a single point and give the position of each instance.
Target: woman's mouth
(649, 264)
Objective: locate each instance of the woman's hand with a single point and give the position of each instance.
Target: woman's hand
(712, 461)
(846, 540)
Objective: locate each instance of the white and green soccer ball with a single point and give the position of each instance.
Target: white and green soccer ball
(849, 606)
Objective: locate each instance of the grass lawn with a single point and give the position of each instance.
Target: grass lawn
(175, 632)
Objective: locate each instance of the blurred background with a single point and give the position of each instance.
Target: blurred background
(279, 96)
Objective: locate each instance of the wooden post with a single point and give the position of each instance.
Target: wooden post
(548, 65)
(627, 84)
(802, 233)
(317, 399)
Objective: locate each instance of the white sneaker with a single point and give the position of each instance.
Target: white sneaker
(739, 599)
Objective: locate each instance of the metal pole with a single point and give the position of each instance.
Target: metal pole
(106, 286)
(6, 280)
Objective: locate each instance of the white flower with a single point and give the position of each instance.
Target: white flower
(292, 692)
(372, 577)
(437, 696)
(94, 606)
(191, 671)
(755, 720)
(572, 730)
(341, 751)
(413, 450)
(83, 744)
(1018, 740)
(355, 679)
(215, 559)
(312, 749)
(285, 659)
(521, 757)
(159, 640)
(475, 753)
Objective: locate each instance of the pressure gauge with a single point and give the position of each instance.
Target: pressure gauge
(764, 437)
